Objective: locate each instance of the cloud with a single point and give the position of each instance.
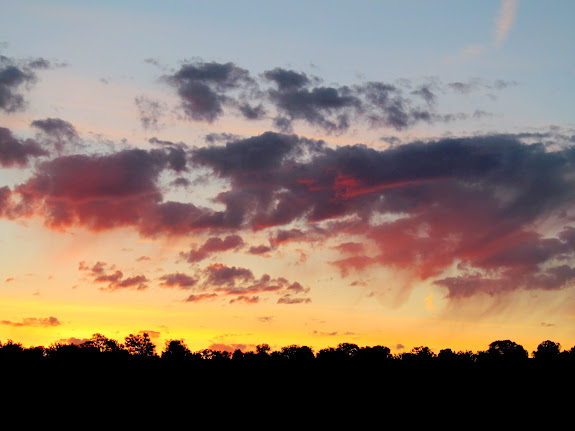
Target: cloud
(259, 249)
(471, 51)
(288, 79)
(350, 248)
(99, 191)
(287, 299)
(14, 75)
(211, 246)
(465, 87)
(252, 112)
(150, 112)
(182, 281)
(220, 347)
(102, 272)
(138, 282)
(460, 212)
(34, 321)
(504, 20)
(222, 275)
(245, 299)
(202, 87)
(208, 90)
(461, 199)
(245, 287)
(357, 263)
(200, 297)
(326, 107)
(57, 132)
(16, 152)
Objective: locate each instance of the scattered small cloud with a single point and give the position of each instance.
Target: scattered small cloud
(34, 321)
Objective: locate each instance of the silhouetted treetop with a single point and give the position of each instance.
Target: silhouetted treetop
(547, 350)
(506, 350)
(140, 345)
(103, 344)
(176, 350)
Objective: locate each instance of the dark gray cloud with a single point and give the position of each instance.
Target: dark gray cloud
(288, 96)
(57, 132)
(17, 152)
(426, 93)
(15, 76)
(287, 80)
(252, 112)
(215, 138)
(465, 87)
(329, 108)
(203, 87)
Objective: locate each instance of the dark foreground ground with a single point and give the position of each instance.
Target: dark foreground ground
(265, 394)
(203, 380)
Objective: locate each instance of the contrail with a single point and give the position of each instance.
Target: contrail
(504, 20)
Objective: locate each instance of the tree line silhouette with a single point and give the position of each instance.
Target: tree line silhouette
(141, 347)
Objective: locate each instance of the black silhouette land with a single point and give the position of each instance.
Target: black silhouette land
(138, 351)
(344, 383)
(140, 347)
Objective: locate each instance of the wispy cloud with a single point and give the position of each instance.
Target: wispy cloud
(505, 20)
(33, 321)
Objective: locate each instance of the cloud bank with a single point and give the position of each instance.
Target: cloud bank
(470, 215)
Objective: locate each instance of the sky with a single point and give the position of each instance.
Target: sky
(307, 172)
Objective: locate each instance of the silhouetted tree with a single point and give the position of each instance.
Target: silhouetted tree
(238, 355)
(11, 351)
(344, 351)
(418, 353)
(447, 355)
(103, 344)
(375, 353)
(348, 350)
(176, 350)
(328, 354)
(34, 353)
(423, 352)
(67, 352)
(506, 350)
(215, 355)
(297, 353)
(140, 345)
(466, 356)
(547, 350)
(263, 351)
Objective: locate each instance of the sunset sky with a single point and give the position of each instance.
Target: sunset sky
(231, 173)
